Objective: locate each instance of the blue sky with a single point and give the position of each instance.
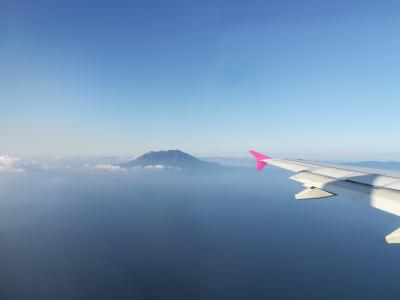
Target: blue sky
(311, 79)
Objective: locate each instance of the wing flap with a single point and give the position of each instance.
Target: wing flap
(335, 172)
(381, 198)
(394, 186)
(374, 180)
(312, 180)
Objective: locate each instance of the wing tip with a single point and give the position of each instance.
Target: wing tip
(261, 163)
(259, 155)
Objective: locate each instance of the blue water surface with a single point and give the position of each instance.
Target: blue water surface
(237, 234)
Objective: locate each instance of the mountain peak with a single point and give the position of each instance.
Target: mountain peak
(170, 158)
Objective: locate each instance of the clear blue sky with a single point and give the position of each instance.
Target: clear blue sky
(312, 79)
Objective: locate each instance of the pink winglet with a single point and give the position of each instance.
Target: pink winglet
(260, 159)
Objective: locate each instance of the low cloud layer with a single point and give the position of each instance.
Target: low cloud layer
(154, 168)
(10, 164)
(108, 167)
(15, 164)
(116, 168)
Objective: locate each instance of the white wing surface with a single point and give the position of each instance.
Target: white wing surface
(377, 188)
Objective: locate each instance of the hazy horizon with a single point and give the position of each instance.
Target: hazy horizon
(243, 155)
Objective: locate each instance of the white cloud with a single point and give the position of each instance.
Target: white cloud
(154, 168)
(108, 167)
(10, 164)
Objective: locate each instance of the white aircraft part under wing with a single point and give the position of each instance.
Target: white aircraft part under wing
(377, 188)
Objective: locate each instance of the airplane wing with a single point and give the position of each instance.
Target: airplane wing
(377, 188)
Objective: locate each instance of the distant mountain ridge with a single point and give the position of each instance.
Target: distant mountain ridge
(171, 158)
(389, 165)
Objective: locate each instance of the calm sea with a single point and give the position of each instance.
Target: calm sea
(238, 234)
